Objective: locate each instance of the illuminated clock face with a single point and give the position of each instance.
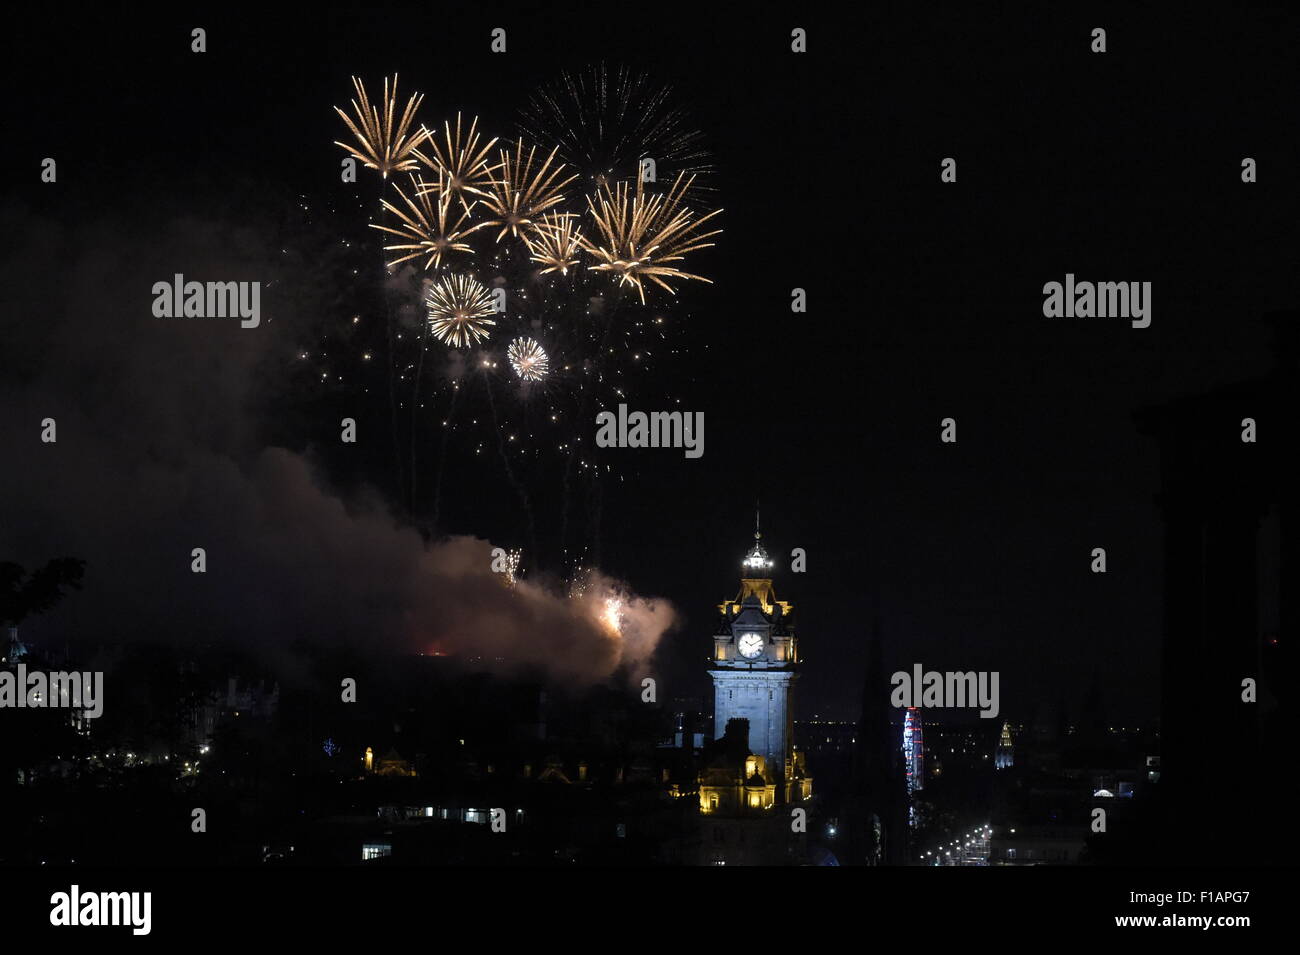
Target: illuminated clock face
(750, 645)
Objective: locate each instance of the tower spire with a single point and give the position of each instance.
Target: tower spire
(756, 562)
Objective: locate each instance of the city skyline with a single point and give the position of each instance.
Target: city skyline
(444, 440)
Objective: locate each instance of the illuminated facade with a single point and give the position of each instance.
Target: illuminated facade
(733, 781)
(914, 750)
(754, 667)
(1005, 756)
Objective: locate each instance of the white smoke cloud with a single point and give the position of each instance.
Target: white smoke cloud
(156, 455)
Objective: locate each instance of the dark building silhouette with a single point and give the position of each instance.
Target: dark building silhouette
(1231, 506)
(878, 824)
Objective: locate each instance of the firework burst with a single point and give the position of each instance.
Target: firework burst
(427, 224)
(606, 121)
(519, 195)
(554, 242)
(528, 359)
(464, 165)
(639, 235)
(382, 145)
(459, 309)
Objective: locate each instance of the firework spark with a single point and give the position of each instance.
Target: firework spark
(612, 616)
(578, 583)
(640, 234)
(528, 359)
(518, 195)
(512, 565)
(606, 121)
(383, 146)
(463, 163)
(459, 308)
(554, 241)
(427, 224)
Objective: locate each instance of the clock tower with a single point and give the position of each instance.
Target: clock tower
(753, 667)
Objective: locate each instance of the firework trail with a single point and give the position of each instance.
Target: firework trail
(510, 473)
(584, 414)
(442, 454)
(386, 146)
(415, 416)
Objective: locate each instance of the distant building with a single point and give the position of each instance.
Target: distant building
(1005, 756)
(1036, 845)
(392, 764)
(914, 750)
(1044, 802)
(13, 650)
(206, 711)
(825, 737)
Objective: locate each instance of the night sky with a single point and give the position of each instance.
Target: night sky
(924, 302)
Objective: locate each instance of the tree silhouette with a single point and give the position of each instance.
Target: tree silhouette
(39, 591)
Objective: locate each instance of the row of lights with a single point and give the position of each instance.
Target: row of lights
(982, 832)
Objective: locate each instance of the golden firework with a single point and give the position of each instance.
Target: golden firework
(464, 165)
(528, 359)
(427, 224)
(639, 234)
(383, 146)
(554, 241)
(518, 195)
(459, 308)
